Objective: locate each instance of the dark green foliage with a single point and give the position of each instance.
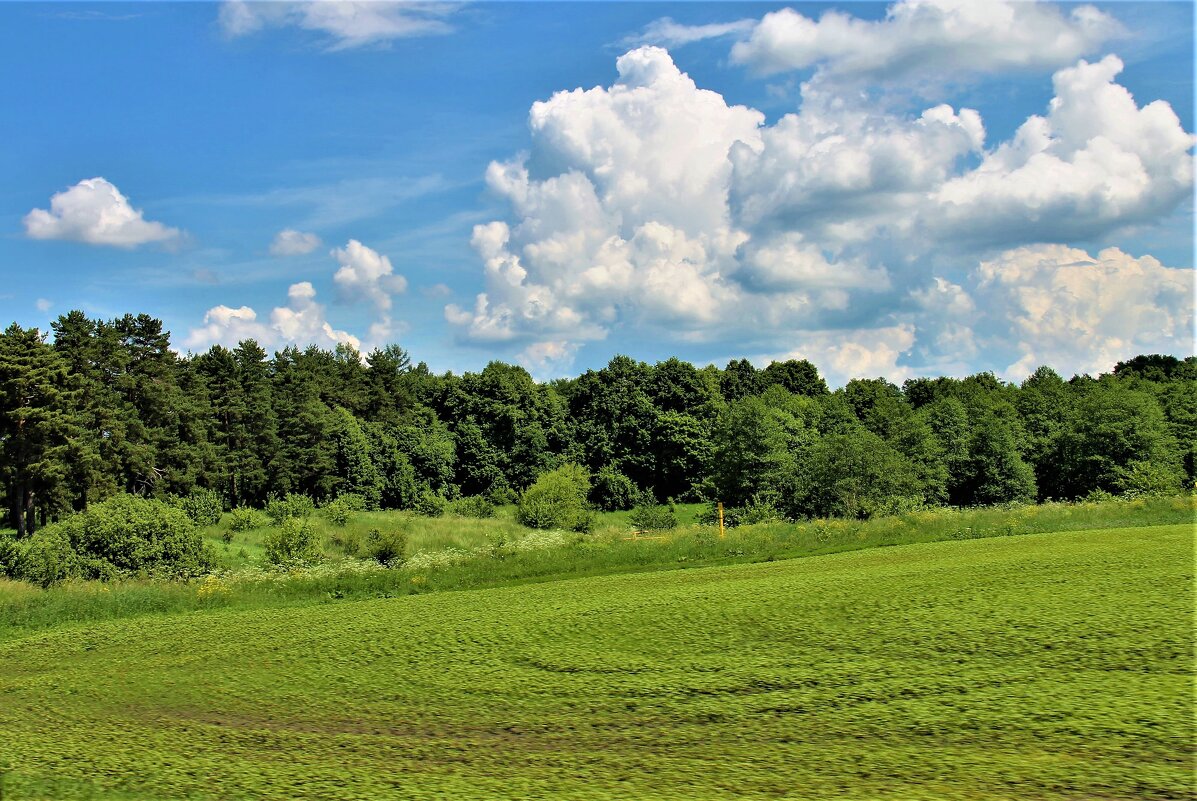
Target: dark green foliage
(243, 518)
(290, 505)
(121, 536)
(751, 449)
(37, 421)
(557, 499)
(653, 517)
(337, 512)
(387, 547)
(430, 504)
(110, 407)
(476, 506)
(203, 506)
(854, 475)
(612, 490)
(293, 541)
(46, 558)
(795, 375)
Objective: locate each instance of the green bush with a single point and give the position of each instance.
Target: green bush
(1146, 477)
(613, 491)
(759, 509)
(203, 506)
(389, 547)
(243, 518)
(337, 512)
(653, 517)
(557, 499)
(291, 505)
(476, 506)
(293, 541)
(47, 558)
(354, 501)
(10, 554)
(123, 535)
(429, 504)
(501, 495)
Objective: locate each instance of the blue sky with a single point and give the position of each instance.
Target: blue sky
(761, 180)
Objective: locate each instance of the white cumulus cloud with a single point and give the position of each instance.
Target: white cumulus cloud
(655, 207)
(1097, 161)
(95, 212)
(366, 274)
(289, 242)
(1060, 306)
(300, 322)
(921, 39)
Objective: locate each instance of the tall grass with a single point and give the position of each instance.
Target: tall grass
(452, 554)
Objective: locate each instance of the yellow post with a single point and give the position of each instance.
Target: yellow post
(721, 520)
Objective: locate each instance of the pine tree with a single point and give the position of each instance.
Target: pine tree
(37, 422)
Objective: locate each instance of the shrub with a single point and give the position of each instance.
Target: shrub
(243, 518)
(47, 558)
(353, 501)
(388, 548)
(501, 495)
(474, 506)
(557, 499)
(203, 506)
(613, 491)
(128, 534)
(429, 504)
(291, 505)
(653, 517)
(337, 512)
(293, 541)
(1145, 477)
(759, 509)
(10, 554)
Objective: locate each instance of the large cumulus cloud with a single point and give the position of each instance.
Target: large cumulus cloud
(655, 206)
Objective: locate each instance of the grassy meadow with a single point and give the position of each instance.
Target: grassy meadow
(1045, 666)
(452, 553)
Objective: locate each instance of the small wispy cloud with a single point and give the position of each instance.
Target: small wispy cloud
(667, 32)
(346, 24)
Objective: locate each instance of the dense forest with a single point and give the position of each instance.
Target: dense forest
(107, 407)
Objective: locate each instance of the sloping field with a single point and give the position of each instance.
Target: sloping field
(1053, 666)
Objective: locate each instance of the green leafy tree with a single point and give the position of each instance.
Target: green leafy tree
(37, 423)
(557, 499)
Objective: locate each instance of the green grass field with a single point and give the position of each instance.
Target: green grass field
(1045, 666)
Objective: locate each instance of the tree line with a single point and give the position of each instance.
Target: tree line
(104, 407)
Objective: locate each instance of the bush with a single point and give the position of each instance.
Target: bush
(10, 554)
(203, 506)
(123, 535)
(613, 491)
(293, 541)
(389, 548)
(1144, 477)
(429, 504)
(654, 517)
(291, 505)
(353, 501)
(501, 495)
(759, 509)
(475, 506)
(557, 499)
(243, 518)
(47, 558)
(337, 512)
